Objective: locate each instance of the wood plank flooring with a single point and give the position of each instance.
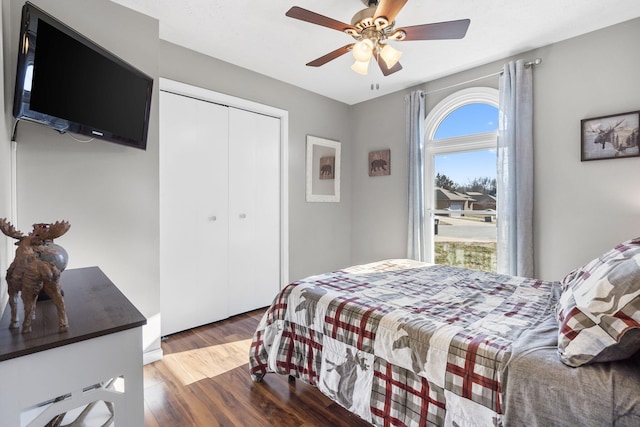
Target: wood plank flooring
(203, 380)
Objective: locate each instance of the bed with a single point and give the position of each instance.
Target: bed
(399, 342)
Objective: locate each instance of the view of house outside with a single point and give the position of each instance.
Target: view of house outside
(465, 236)
(465, 194)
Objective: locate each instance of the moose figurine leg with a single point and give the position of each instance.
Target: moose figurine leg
(29, 302)
(13, 304)
(53, 290)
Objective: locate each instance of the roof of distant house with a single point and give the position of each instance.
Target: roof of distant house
(479, 195)
(443, 194)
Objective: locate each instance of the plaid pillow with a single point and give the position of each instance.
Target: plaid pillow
(599, 310)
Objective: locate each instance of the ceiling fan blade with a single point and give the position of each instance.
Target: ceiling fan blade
(315, 18)
(386, 70)
(437, 31)
(389, 9)
(330, 56)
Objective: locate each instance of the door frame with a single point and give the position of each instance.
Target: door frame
(208, 95)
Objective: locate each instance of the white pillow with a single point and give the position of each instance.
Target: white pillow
(599, 310)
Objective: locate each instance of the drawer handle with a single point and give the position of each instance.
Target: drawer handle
(242, 216)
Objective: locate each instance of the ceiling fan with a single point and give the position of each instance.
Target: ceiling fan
(372, 28)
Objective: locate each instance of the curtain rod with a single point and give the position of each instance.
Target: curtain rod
(536, 61)
(527, 64)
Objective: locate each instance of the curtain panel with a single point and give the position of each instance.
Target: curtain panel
(515, 170)
(415, 115)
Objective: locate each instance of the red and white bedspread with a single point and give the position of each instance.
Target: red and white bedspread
(401, 342)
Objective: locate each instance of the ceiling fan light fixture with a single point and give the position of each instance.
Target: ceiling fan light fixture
(372, 28)
(363, 50)
(390, 55)
(361, 67)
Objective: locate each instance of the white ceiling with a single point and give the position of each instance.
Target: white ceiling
(256, 34)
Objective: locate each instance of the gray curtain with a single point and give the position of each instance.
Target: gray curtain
(415, 115)
(515, 170)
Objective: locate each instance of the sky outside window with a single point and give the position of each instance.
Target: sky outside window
(467, 120)
(465, 166)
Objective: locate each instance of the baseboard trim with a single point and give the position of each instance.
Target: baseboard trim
(152, 356)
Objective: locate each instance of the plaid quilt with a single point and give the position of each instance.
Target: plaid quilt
(402, 343)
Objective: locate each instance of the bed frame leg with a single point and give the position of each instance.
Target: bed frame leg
(292, 379)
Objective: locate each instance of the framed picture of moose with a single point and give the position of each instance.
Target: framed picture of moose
(610, 137)
(380, 162)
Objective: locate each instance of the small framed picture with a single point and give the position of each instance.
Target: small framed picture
(380, 163)
(610, 137)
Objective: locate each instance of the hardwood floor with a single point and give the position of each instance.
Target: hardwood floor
(203, 380)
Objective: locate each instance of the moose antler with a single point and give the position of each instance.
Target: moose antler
(50, 231)
(9, 230)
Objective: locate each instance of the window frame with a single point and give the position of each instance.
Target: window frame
(458, 144)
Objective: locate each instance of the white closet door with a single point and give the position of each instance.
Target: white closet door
(254, 210)
(193, 212)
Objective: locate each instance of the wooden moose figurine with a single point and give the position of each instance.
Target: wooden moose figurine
(29, 275)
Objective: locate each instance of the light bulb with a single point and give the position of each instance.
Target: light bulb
(25, 42)
(363, 50)
(361, 67)
(390, 55)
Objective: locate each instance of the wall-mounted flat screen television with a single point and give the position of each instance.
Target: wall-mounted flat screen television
(71, 84)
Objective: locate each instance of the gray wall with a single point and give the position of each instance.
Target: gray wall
(380, 204)
(108, 192)
(581, 208)
(319, 233)
(5, 172)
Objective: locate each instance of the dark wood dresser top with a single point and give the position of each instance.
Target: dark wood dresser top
(95, 307)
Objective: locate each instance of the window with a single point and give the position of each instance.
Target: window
(460, 150)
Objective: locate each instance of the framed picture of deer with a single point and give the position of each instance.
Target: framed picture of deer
(380, 163)
(610, 137)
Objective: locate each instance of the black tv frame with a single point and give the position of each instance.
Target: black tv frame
(31, 15)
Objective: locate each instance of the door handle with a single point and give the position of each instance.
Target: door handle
(212, 218)
(242, 216)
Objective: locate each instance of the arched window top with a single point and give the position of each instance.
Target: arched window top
(468, 119)
(451, 118)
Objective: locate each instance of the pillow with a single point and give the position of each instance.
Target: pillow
(599, 309)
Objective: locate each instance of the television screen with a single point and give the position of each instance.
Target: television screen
(69, 83)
